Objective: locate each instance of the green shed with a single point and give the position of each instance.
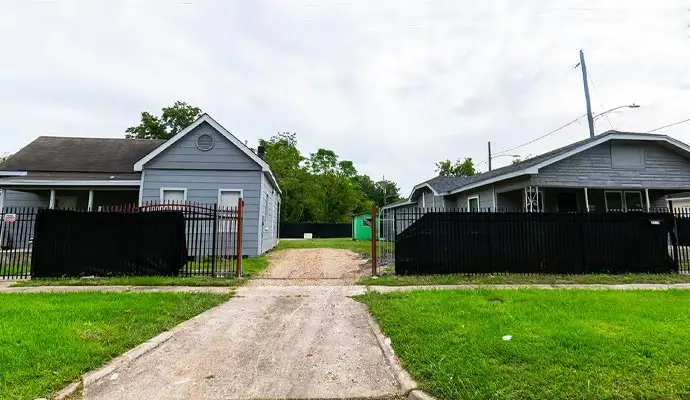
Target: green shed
(361, 227)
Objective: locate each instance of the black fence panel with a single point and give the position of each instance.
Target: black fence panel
(73, 243)
(318, 230)
(442, 242)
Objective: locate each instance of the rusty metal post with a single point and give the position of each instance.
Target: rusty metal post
(240, 219)
(374, 228)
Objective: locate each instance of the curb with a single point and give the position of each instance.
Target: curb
(93, 377)
(419, 395)
(407, 384)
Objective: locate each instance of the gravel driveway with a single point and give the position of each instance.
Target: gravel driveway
(313, 267)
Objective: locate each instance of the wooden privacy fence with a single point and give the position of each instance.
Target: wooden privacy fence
(209, 240)
(443, 242)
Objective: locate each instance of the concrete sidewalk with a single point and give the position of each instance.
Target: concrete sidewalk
(5, 288)
(116, 289)
(627, 286)
(267, 342)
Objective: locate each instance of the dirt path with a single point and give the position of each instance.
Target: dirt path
(313, 267)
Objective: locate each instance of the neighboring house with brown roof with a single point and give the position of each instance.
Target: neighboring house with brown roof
(621, 171)
(203, 163)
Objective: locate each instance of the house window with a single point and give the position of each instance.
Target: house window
(173, 195)
(473, 203)
(623, 201)
(227, 202)
(626, 155)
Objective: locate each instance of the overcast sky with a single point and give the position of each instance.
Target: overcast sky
(392, 85)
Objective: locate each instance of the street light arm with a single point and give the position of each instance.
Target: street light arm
(616, 108)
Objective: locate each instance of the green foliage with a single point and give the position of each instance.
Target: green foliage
(172, 120)
(321, 187)
(458, 168)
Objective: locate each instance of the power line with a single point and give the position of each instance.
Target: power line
(540, 137)
(669, 125)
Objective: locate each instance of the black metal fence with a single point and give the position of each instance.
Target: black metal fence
(212, 238)
(318, 230)
(458, 241)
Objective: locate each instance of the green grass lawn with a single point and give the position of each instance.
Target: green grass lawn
(362, 247)
(250, 266)
(460, 279)
(15, 270)
(48, 340)
(566, 344)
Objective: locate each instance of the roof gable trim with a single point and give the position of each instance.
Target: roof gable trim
(139, 165)
(535, 168)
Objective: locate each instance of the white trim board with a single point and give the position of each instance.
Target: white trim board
(42, 182)
(13, 173)
(474, 197)
(230, 190)
(173, 189)
(139, 165)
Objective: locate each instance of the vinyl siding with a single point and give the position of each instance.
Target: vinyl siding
(268, 223)
(485, 194)
(661, 169)
(185, 155)
(15, 198)
(202, 186)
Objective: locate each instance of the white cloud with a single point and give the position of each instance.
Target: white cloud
(393, 85)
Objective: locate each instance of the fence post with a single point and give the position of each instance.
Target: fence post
(373, 240)
(215, 238)
(240, 220)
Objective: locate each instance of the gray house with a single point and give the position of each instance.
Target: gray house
(203, 163)
(614, 171)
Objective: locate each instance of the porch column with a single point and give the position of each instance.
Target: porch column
(646, 195)
(51, 204)
(493, 190)
(90, 206)
(586, 200)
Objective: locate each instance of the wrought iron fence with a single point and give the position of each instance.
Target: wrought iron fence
(213, 237)
(424, 241)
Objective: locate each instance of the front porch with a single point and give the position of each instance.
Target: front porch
(68, 198)
(583, 199)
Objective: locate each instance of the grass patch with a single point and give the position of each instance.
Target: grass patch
(15, 270)
(516, 279)
(358, 246)
(250, 266)
(566, 344)
(48, 339)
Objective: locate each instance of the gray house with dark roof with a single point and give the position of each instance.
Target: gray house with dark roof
(613, 171)
(203, 163)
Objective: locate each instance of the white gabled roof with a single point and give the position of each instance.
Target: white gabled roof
(139, 165)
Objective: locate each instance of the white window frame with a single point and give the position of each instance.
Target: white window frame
(642, 201)
(172, 189)
(476, 196)
(223, 227)
(624, 203)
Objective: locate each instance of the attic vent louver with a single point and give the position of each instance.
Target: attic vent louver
(204, 142)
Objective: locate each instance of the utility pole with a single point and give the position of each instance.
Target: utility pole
(488, 146)
(590, 119)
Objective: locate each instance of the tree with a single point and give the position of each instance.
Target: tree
(458, 168)
(172, 120)
(4, 157)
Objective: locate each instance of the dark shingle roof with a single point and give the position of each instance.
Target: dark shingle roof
(446, 184)
(443, 184)
(70, 154)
